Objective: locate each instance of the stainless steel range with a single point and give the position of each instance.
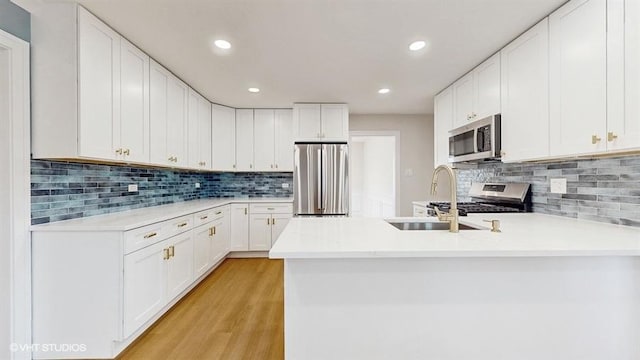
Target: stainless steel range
(491, 198)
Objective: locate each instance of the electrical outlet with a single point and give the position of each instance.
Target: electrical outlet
(285, 185)
(197, 185)
(132, 188)
(558, 186)
(408, 172)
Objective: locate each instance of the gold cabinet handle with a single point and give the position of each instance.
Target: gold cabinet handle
(210, 231)
(272, 166)
(182, 225)
(165, 256)
(273, 221)
(245, 211)
(595, 139)
(268, 221)
(119, 151)
(611, 136)
(150, 235)
(171, 158)
(214, 230)
(204, 217)
(127, 152)
(234, 166)
(276, 166)
(172, 251)
(218, 212)
(250, 166)
(270, 208)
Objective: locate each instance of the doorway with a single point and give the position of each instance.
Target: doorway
(15, 281)
(374, 173)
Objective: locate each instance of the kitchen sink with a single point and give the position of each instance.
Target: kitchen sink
(428, 225)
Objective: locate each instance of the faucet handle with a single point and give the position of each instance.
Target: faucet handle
(495, 225)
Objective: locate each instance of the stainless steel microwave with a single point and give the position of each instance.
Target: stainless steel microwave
(476, 141)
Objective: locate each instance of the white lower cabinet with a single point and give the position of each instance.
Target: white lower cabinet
(419, 210)
(239, 227)
(266, 222)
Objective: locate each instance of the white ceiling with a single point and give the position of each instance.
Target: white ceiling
(321, 50)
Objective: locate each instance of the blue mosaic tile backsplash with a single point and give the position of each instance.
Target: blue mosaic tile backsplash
(64, 190)
(606, 190)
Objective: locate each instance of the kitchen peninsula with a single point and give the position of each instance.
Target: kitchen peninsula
(545, 287)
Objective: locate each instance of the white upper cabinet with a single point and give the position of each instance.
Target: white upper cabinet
(168, 99)
(132, 131)
(264, 128)
(283, 141)
(199, 143)
(442, 123)
(623, 75)
(463, 100)
(98, 95)
(525, 95)
(224, 138)
(477, 94)
(321, 122)
(90, 89)
(578, 78)
(244, 140)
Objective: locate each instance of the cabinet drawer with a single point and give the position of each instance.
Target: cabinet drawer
(209, 215)
(279, 208)
(151, 234)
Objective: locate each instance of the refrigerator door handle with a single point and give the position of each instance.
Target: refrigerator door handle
(325, 169)
(320, 203)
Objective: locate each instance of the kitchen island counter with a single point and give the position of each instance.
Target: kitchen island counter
(527, 234)
(545, 287)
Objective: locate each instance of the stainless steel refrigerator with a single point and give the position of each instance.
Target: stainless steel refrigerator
(321, 179)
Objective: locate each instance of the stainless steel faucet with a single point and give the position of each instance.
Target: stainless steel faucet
(452, 215)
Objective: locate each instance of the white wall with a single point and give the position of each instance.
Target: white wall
(416, 152)
(5, 233)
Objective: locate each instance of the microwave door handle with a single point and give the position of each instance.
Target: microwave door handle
(476, 136)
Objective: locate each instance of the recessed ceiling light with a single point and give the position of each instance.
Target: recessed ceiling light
(254, 90)
(417, 45)
(383, 91)
(222, 44)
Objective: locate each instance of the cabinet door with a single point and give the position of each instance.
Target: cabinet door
(158, 85)
(202, 248)
(278, 223)
(264, 127)
(219, 248)
(224, 138)
(99, 86)
(335, 122)
(180, 265)
(133, 126)
(177, 98)
(442, 123)
(486, 77)
(283, 140)
(306, 121)
(623, 58)
(259, 232)
(578, 74)
(145, 281)
(244, 140)
(239, 227)
(525, 95)
(463, 100)
(199, 139)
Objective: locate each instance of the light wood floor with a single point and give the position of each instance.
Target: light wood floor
(235, 313)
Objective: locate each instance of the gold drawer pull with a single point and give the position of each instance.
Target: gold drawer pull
(182, 225)
(218, 212)
(271, 208)
(210, 231)
(148, 236)
(204, 217)
(214, 230)
(172, 251)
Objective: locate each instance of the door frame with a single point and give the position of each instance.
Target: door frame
(396, 135)
(19, 198)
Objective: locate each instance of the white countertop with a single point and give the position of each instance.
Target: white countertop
(522, 235)
(131, 219)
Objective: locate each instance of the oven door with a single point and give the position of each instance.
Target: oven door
(478, 140)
